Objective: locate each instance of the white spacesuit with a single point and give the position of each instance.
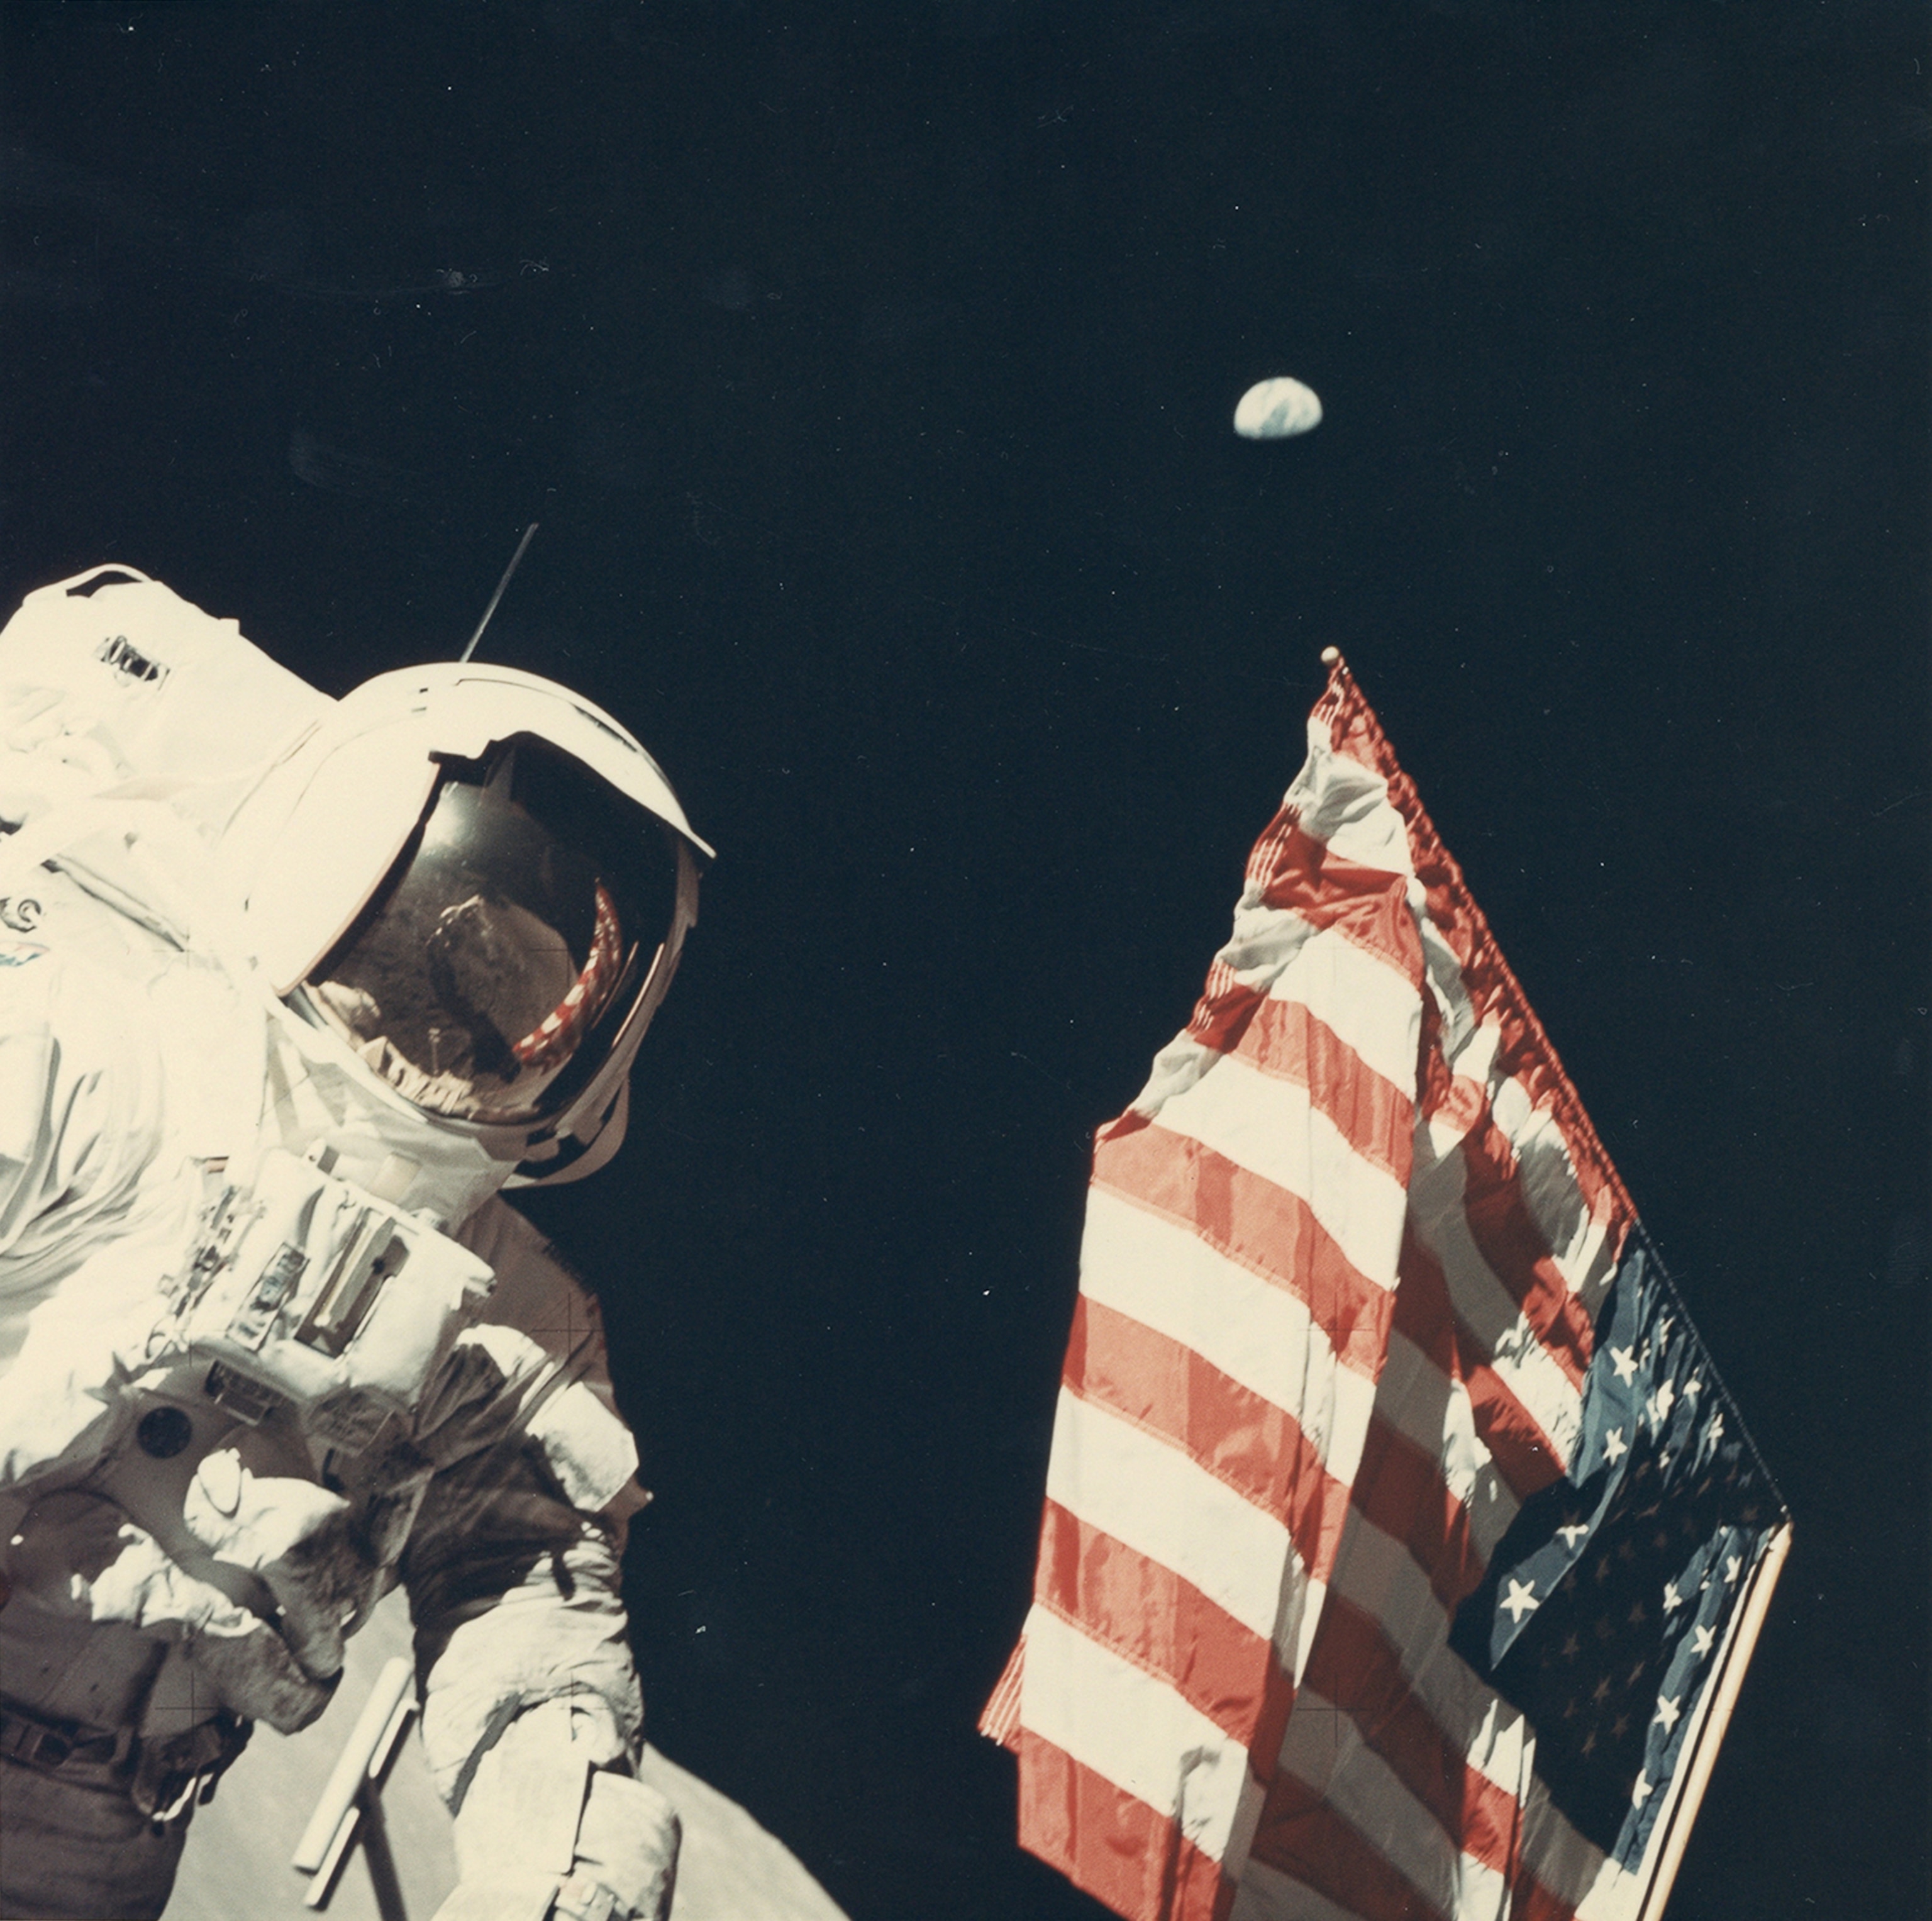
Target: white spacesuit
(289, 988)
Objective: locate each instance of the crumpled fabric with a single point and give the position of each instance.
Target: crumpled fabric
(80, 1556)
(110, 675)
(75, 1846)
(548, 1817)
(53, 752)
(131, 1057)
(293, 1534)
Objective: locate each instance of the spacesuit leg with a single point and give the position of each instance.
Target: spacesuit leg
(74, 1847)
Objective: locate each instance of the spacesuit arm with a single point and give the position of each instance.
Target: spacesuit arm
(533, 1717)
(80, 1121)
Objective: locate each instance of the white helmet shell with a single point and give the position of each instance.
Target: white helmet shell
(317, 839)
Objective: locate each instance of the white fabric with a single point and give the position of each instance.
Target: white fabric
(110, 678)
(141, 1068)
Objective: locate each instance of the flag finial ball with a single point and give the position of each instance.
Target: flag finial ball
(1330, 656)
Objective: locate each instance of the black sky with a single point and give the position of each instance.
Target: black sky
(870, 371)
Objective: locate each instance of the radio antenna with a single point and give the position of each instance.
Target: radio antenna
(498, 594)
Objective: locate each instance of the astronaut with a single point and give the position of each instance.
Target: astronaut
(290, 989)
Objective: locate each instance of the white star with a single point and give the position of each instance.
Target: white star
(1714, 1433)
(1733, 1567)
(1625, 1362)
(1664, 1327)
(1520, 1600)
(1614, 1448)
(1642, 1792)
(1672, 1598)
(1694, 1386)
(1703, 1639)
(1667, 1711)
(1658, 1405)
(1572, 1532)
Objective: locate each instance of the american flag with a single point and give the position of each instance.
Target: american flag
(1401, 1548)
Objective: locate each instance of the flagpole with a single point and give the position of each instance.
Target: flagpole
(1756, 1607)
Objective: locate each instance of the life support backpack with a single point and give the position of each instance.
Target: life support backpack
(111, 683)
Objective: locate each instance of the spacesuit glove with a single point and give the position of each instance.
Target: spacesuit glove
(81, 1555)
(295, 1536)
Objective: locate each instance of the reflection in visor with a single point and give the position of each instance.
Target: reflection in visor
(475, 981)
(551, 1042)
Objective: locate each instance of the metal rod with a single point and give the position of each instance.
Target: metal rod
(352, 1765)
(321, 1889)
(498, 594)
(1757, 1605)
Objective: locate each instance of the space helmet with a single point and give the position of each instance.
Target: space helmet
(480, 885)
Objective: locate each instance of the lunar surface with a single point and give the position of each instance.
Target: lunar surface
(236, 1866)
(1274, 410)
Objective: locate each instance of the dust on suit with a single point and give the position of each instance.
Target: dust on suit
(272, 1342)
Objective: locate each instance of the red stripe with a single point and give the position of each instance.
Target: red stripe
(1523, 1051)
(1516, 1250)
(1000, 1718)
(1263, 1228)
(1300, 1835)
(1354, 732)
(1493, 991)
(1148, 1615)
(1399, 1487)
(1227, 1004)
(1239, 1437)
(1288, 868)
(1531, 1901)
(1286, 1040)
(1353, 1664)
(1524, 1454)
(1111, 1844)
(1367, 905)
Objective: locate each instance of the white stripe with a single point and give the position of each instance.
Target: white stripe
(1573, 1869)
(1382, 1578)
(1463, 1049)
(1596, 1887)
(1551, 1193)
(1299, 1621)
(1345, 804)
(1270, 1127)
(1361, 998)
(1359, 994)
(1324, 1749)
(1137, 1733)
(1147, 1494)
(1438, 1194)
(1266, 1894)
(1420, 1401)
(1379, 1576)
(1579, 1242)
(1252, 1328)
